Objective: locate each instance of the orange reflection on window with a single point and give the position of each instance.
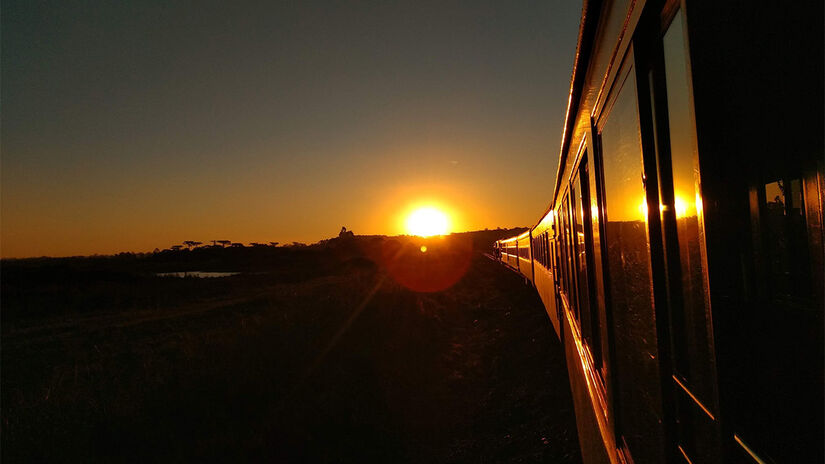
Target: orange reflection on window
(681, 207)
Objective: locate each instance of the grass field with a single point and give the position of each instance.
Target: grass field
(323, 354)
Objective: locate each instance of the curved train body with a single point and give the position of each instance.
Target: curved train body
(681, 258)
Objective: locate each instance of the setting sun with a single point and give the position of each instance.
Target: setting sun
(427, 221)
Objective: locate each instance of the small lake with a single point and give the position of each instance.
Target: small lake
(198, 274)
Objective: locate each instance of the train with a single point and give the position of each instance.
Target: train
(680, 258)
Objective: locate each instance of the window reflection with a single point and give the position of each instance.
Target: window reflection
(692, 341)
(786, 239)
(639, 413)
(691, 310)
(580, 198)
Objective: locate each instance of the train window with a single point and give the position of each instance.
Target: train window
(694, 359)
(549, 257)
(544, 253)
(569, 257)
(537, 256)
(561, 258)
(543, 246)
(570, 243)
(638, 390)
(547, 248)
(584, 249)
(565, 245)
(580, 257)
(539, 249)
(597, 293)
(786, 425)
(786, 239)
(558, 252)
(686, 257)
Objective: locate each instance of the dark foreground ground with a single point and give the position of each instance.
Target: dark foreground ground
(322, 354)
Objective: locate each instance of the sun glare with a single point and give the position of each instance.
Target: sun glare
(427, 221)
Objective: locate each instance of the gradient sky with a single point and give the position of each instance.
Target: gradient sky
(131, 125)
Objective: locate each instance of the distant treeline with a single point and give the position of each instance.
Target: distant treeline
(228, 252)
(36, 287)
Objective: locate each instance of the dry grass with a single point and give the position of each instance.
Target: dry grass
(242, 368)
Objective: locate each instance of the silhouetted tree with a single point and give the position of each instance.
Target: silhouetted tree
(345, 233)
(273, 244)
(224, 242)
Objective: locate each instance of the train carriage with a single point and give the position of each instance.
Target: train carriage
(525, 256)
(681, 257)
(509, 252)
(544, 277)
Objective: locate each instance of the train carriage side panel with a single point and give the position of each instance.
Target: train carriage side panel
(509, 252)
(543, 273)
(525, 259)
(603, 43)
(512, 253)
(591, 433)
